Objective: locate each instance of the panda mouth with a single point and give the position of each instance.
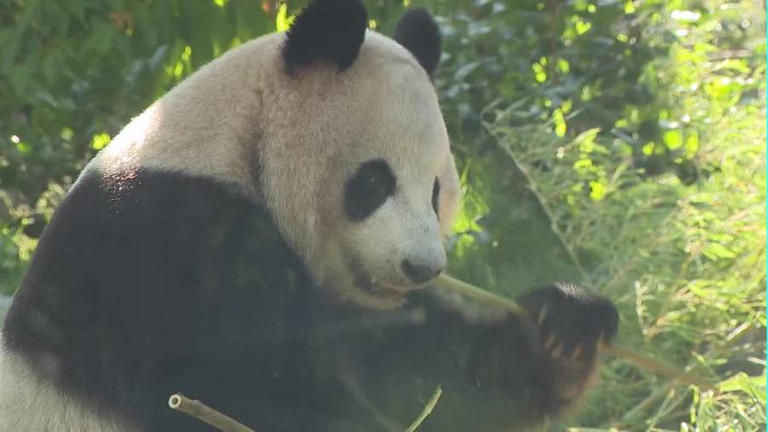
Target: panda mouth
(374, 286)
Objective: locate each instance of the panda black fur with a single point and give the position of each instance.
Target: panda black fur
(259, 238)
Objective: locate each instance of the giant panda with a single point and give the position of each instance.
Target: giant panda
(262, 238)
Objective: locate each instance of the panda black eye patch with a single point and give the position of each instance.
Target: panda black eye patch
(367, 189)
(436, 196)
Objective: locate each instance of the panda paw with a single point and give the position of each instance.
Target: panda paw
(572, 322)
(557, 368)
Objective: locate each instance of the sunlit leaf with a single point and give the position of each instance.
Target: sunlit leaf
(717, 251)
(100, 140)
(752, 385)
(560, 125)
(673, 139)
(597, 190)
(691, 144)
(649, 148)
(283, 21)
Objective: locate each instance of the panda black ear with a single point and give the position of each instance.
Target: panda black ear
(326, 30)
(418, 32)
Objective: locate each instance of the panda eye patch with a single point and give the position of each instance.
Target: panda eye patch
(436, 195)
(367, 189)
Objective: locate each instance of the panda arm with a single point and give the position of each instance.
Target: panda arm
(494, 376)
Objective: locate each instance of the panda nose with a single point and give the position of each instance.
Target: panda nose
(419, 273)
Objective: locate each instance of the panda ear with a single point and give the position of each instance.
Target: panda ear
(418, 32)
(326, 30)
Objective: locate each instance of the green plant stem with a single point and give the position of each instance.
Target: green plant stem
(477, 293)
(547, 212)
(426, 411)
(206, 414)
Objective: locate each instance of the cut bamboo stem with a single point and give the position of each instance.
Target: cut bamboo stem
(477, 293)
(206, 414)
(657, 367)
(426, 411)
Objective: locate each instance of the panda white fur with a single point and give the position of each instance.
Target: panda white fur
(260, 238)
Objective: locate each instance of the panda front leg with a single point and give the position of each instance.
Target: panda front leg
(572, 324)
(511, 382)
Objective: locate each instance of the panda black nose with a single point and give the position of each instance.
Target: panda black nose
(419, 273)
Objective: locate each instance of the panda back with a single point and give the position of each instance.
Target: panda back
(142, 281)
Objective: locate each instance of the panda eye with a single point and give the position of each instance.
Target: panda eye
(436, 195)
(367, 189)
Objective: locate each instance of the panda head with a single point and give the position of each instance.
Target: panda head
(336, 129)
(374, 188)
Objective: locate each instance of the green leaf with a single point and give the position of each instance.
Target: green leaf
(560, 125)
(586, 140)
(691, 145)
(100, 140)
(597, 190)
(649, 148)
(283, 21)
(673, 139)
(716, 251)
(741, 382)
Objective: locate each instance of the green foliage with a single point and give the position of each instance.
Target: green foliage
(684, 259)
(71, 75)
(615, 143)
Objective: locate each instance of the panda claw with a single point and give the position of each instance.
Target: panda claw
(602, 341)
(542, 315)
(557, 351)
(550, 341)
(576, 352)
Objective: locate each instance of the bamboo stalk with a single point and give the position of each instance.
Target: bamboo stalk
(477, 293)
(657, 367)
(206, 414)
(641, 360)
(426, 411)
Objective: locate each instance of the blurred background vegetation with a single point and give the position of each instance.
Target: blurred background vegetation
(619, 144)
